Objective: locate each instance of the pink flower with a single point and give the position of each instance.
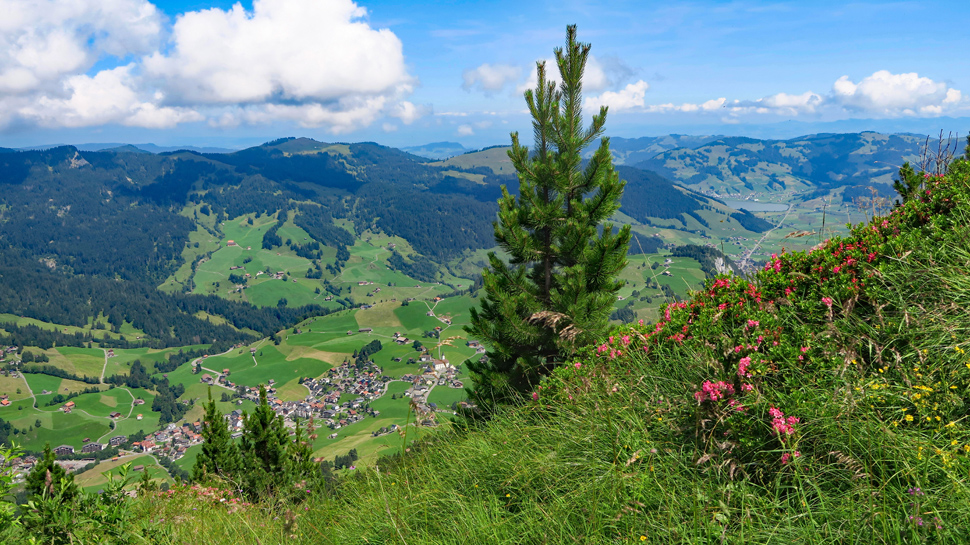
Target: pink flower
(577, 365)
(535, 396)
(775, 413)
(804, 349)
(625, 340)
(785, 458)
(722, 306)
(743, 367)
(713, 391)
(745, 387)
(827, 300)
(753, 324)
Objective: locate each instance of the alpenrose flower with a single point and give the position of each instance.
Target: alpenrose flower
(713, 391)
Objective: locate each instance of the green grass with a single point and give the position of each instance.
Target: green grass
(444, 396)
(618, 449)
(82, 361)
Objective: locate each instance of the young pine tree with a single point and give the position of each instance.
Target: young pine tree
(558, 288)
(219, 455)
(264, 449)
(46, 477)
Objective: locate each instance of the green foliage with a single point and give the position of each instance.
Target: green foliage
(49, 478)
(557, 291)
(219, 456)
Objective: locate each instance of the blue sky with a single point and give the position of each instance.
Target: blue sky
(406, 73)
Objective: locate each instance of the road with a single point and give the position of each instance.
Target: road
(743, 264)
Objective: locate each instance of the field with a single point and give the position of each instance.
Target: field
(364, 272)
(95, 478)
(126, 330)
(321, 343)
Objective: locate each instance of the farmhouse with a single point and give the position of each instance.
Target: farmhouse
(231, 243)
(365, 330)
(64, 450)
(115, 415)
(118, 440)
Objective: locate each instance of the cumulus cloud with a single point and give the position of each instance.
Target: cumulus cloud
(628, 98)
(43, 41)
(108, 97)
(891, 95)
(314, 62)
(465, 130)
(490, 78)
(882, 94)
(282, 51)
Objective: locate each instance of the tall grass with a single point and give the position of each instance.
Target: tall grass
(616, 448)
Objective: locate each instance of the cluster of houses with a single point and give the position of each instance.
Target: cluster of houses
(171, 441)
(10, 352)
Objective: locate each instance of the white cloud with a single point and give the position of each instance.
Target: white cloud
(887, 94)
(882, 94)
(108, 97)
(41, 42)
(490, 78)
(628, 98)
(408, 112)
(313, 62)
(779, 104)
(284, 51)
(465, 130)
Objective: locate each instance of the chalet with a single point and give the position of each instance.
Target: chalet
(138, 468)
(206, 378)
(92, 447)
(115, 415)
(5, 402)
(365, 330)
(473, 344)
(64, 450)
(69, 405)
(139, 417)
(231, 243)
(138, 401)
(118, 440)
(225, 371)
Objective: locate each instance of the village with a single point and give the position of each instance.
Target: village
(363, 379)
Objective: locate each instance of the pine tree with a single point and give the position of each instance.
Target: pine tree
(264, 449)
(219, 454)
(558, 288)
(46, 476)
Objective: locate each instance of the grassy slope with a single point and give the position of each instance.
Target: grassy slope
(617, 449)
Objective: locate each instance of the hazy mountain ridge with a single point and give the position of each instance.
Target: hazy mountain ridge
(815, 163)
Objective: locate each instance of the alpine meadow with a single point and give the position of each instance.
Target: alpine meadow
(341, 301)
